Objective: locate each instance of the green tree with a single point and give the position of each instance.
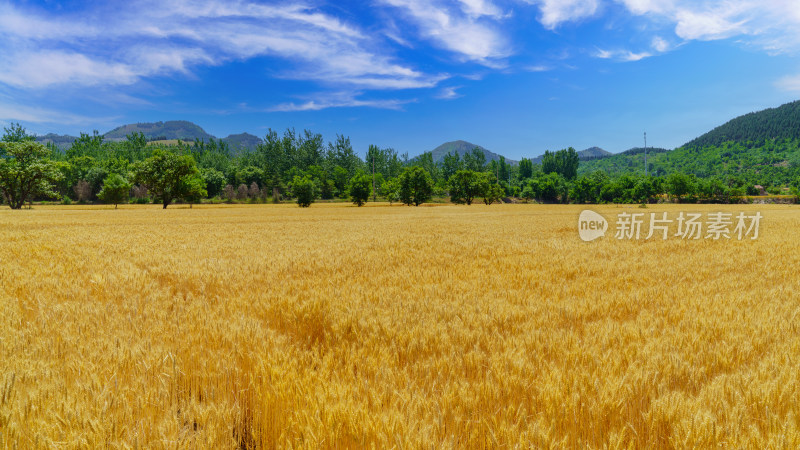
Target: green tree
(116, 190)
(416, 186)
(525, 169)
(584, 190)
(391, 190)
(552, 188)
(425, 161)
(360, 188)
(475, 160)
(563, 162)
(644, 190)
(248, 175)
(26, 172)
(341, 154)
(193, 189)
(451, 163)
(340, 178)
(679, 185)
(16, 133)
(304, 189)
(166, 175)
(530, 190)
(464, 186)
(493, 193)
(215, 181)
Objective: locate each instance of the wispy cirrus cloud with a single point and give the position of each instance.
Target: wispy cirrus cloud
(557, 12)
(621, 55)
(14, 112)
(449, 93)
(147, 39)
(339, 100)
(769, 24)
(468, 29)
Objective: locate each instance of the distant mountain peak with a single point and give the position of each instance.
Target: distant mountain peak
(461, 148)
(242, 141)
(171, 129)
(183, 130)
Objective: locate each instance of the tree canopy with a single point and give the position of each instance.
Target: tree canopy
(26, 172)
(167, 175)
(416, 186)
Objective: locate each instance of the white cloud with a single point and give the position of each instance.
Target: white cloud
(538, 68)
(706, 25)
(603, 54)
(41, 69)
(449, 93)
(659, 44)
(789, 83)
(769, 24)
(631, 56)
(621, 55)
(145, 39)
(556, 12)
(339, 100)
(478, 8)
(464, 34)
(14, 112)
(647, 6)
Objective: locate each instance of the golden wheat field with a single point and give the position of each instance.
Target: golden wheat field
(393, 327)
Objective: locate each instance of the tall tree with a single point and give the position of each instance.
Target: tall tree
(274, 161)
(116, 190)
(479, 159)
(563, 162)
(193, 189)
(425, 161)
(360, 188)
(26, 172)
(525, 169)
(416, 186)
(304, 190)
(16, 133)
(464, 186)
(166, 174)
(341, 154)
(451, 163)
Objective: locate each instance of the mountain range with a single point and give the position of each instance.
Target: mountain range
(156, 131)
(782, 122)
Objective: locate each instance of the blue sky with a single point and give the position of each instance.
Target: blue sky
(516, 76)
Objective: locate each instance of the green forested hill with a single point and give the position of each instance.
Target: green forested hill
(774, 123)
(761, 147)
(171, 129)
(461, 148)
(242, 141)
(770, 163)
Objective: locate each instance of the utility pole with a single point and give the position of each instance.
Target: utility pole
(645, 153)
(373, 178)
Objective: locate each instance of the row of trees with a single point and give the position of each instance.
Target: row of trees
(598, 187)
(301, 167)
(772, 163)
